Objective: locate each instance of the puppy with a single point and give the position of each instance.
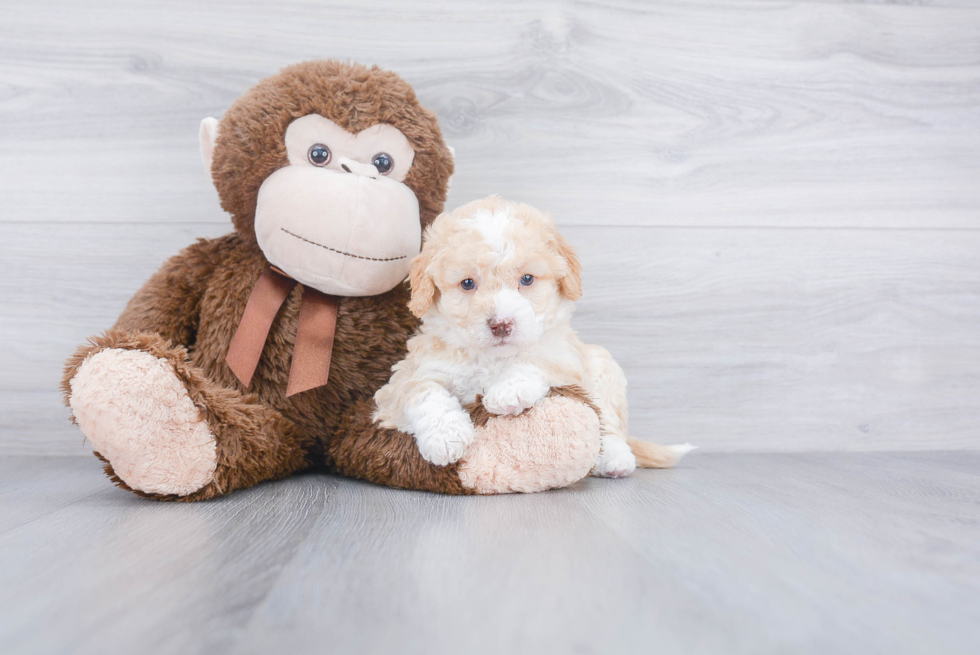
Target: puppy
(495, 286)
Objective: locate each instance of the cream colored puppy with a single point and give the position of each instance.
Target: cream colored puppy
(495, 286)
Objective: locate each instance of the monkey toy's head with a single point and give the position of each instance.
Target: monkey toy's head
(334, 169)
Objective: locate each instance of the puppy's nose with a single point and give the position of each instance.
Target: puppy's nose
(501, 327)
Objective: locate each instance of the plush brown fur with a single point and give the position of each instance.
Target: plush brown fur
(365, 450)
(188, 311)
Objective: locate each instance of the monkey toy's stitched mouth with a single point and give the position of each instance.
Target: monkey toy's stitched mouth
(341, 252)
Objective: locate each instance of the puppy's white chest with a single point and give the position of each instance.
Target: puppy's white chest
(474, 379)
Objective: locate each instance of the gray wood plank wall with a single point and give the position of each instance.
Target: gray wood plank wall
(777, 203)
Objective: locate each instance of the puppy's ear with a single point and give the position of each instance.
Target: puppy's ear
(570, 284)
(423, 287)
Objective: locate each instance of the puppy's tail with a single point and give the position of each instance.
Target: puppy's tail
(650, 455)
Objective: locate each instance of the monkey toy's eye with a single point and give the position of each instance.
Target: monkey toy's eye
(467, 284)
(383, 162)
(527, 279)
(319, 155)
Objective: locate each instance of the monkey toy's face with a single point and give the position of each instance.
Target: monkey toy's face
(332, 204)
(339, 217)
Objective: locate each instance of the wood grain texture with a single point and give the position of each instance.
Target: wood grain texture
(736, 553)
(620, 113)
(28, 493)
(147, 576)
(733, 339)
(777, 201)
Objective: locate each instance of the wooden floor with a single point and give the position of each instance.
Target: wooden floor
(730, 553)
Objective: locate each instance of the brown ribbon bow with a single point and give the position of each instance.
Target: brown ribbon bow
(310, 367)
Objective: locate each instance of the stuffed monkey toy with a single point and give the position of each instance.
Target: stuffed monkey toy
(255, 355)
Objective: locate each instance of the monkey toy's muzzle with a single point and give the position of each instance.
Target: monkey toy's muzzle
(342, 233)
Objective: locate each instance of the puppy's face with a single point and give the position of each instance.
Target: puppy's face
(493, 276)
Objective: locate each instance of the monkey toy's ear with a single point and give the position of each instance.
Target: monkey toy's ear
(208, 135)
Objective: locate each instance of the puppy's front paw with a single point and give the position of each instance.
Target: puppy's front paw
(616, 460)
(514, 395)
(443, 438)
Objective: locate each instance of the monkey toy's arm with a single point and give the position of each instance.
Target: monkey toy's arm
(164, 313)
(168, 304)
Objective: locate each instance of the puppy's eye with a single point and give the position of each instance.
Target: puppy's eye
(527, 279)
(383, 162)
(467, 284)
(319, 155)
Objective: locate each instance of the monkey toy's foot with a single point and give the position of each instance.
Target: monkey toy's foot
(138, 415)
(552, 445)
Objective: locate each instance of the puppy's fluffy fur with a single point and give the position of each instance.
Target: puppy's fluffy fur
(495, 286)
